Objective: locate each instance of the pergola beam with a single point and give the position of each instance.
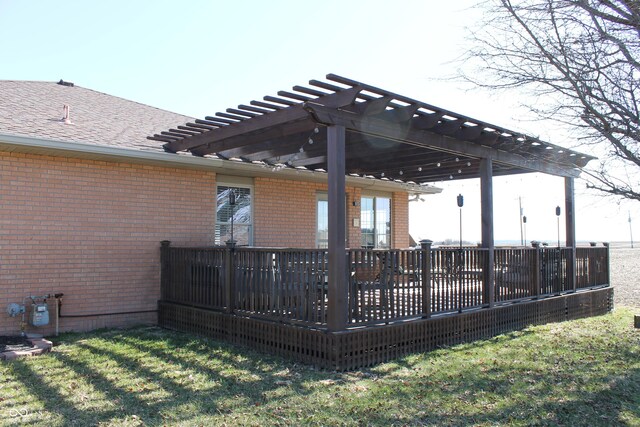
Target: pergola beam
(382, 129)
(570, 230)
(486, 212)
(255, 137)
(338, 304)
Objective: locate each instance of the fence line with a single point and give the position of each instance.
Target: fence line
(290, 285)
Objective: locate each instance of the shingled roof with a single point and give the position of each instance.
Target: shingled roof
(35, 109)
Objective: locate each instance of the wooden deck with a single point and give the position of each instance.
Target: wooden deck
(400, 301)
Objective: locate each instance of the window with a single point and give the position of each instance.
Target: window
(322, 222)
(240, 212)
(375, 222)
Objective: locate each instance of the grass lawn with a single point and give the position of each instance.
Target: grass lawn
(584, 372)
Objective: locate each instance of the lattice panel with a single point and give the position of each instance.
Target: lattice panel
(357, 348)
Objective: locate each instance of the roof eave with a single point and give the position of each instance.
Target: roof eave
(43, 146)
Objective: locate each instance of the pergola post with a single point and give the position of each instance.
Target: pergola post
(486, 200)
(570, 218)
(338, 304)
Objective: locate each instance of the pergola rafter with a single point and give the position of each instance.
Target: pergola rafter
(405, 138)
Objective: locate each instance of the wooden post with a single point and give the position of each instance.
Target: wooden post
(608, 264)
(229, 276)
(338, 304)
(570, 218)
(165, 281)
(486, 197)
(536, 268)
(425, 273)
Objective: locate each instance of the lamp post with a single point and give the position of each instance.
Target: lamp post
(460, 201)
(558, 218)
(232, 203)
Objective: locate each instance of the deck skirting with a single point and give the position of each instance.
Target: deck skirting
(366, 346)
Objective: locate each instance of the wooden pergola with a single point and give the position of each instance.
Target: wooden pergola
(347, 128)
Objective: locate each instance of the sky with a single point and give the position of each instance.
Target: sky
(201, 57)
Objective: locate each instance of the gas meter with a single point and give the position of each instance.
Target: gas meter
(39, 314)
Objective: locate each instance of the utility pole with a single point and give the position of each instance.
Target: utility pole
(521, 226)
(630, 230)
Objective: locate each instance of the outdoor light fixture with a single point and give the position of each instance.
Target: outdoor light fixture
(460, 201)
(524, 222)
(558, 218)
(232, 203)
(522, 239)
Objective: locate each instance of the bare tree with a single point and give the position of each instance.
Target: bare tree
(581, 61)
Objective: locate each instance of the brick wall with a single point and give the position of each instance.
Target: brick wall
(285, 213)
(354, 235)
(400, 220)
(91, 230)
(291, 206)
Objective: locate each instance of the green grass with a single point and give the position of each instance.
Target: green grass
(584, 372)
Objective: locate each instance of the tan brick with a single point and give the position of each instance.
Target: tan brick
(92, 230)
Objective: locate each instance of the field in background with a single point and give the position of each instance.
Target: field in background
(625, 275)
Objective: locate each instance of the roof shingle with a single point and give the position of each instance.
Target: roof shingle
(35, 109)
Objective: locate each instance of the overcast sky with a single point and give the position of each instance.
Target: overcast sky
(200, 57)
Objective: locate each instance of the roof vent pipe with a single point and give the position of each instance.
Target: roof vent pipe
(65, 114)
(63, 83)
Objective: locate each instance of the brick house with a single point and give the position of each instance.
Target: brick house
(86, 198)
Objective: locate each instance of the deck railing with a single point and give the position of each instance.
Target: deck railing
(384, 285)
(592, 267)
(195, 276)
(290, 285)
(457, 277)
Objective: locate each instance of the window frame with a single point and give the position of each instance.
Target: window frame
(374, 196)
(321, 197)
(324, 196)
(235, 182)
